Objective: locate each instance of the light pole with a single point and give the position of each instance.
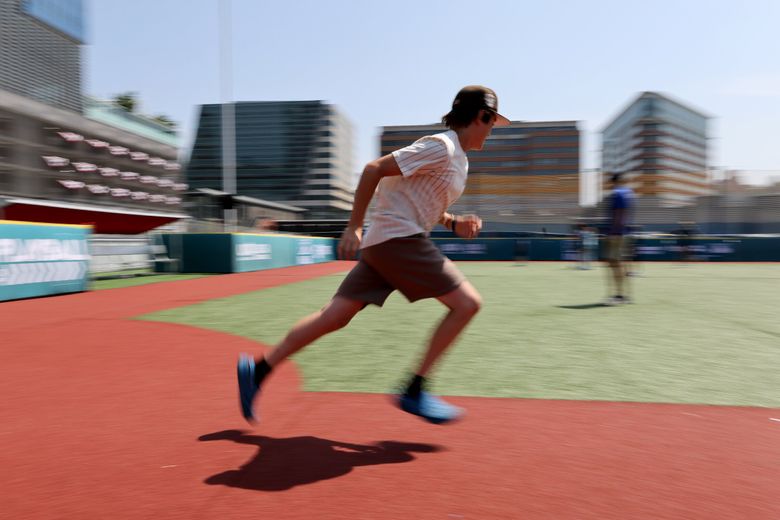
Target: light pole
(228, 114)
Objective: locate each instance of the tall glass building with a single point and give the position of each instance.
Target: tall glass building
(293, 152)
(40, 50)
(661, 146)
(526, 172)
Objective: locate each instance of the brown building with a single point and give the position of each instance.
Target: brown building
(526, 172)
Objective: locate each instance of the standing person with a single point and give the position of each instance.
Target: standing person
(620, 202)
(415, 185)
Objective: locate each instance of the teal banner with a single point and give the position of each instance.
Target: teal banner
(243, 252)
(256, 252)
(42, 259)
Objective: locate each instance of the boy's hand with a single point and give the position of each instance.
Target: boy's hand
(350, 243)
(468, 226)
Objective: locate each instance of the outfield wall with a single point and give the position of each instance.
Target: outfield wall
(242, 252)
(42, 259)
(742, 249)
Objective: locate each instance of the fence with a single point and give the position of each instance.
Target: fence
(242, 252)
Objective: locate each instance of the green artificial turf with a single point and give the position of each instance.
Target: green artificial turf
(706, 333)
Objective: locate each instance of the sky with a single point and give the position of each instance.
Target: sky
(399, 63)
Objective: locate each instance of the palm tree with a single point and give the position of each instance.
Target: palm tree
(165, 121)
(127, 101)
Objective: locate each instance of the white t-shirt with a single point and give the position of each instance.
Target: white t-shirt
(434, 170)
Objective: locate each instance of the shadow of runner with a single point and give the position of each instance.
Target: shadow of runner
(285, 463)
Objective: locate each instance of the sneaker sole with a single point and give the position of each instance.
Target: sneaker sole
(244, 391)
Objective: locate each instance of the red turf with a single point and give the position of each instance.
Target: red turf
(107, 417)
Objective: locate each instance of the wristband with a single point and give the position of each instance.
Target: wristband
(454, 221)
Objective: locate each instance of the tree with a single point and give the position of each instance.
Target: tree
(165, 121)
(127, 101)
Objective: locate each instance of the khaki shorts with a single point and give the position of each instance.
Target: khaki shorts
(616, 247)
(412, 265)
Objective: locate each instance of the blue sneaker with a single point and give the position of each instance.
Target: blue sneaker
(247, 389)
(430, 408)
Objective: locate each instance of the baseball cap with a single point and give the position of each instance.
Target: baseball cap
(479, 97)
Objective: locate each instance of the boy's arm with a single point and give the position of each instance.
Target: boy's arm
(373, 172)
(447, 220)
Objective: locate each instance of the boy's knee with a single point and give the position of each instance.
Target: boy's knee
(471, 305)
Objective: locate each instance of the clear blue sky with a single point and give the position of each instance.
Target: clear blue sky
(393, 63)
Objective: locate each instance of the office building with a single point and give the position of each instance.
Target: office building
(297, 153)
(661, 147)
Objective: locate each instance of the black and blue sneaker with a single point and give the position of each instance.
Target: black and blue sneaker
(429, 407)
(247, 389)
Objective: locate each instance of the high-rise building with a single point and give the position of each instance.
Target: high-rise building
(661, 147)
(526, 172)
(292, 152)
(40, 50)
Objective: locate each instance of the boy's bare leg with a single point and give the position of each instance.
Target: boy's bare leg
(463, 302)
(335, 315)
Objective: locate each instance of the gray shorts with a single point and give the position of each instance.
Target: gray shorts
(412, 265)
(616, 247)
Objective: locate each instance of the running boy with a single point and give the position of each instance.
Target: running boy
(414, 185)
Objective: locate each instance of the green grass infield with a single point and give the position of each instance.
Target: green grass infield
(704, 333)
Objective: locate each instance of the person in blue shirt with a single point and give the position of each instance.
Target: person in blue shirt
(620, 202)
